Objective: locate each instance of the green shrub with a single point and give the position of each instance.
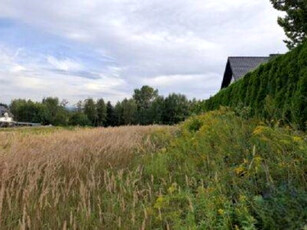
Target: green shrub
(224, 172)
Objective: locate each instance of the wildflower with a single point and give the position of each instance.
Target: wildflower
(239, 170)
(297, 139)
(242, 198)
(258, 159)
(160, 202)
(172, 188)
(221, 211)
(258, 130)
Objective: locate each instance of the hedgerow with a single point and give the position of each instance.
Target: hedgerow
(283, 80)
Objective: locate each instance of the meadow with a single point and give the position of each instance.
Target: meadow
(213, 171)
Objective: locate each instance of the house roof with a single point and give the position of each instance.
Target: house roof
(242, 65)
(3, 110)
(238, 67)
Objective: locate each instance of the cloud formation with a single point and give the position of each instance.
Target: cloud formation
(76, 49)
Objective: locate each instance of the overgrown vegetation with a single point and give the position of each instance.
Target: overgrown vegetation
(280, 85)
(224, 172)
(215, 171)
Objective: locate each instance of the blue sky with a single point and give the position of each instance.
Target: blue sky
(75, 49)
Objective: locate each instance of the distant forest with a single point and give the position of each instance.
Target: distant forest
(145, 107)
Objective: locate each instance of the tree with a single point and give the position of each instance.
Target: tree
(118, 114)
(90, 110)
(110, 119)
(79, 118)
(176, 109)
(295, 21)
(79, 106)
(101, 112)
(64, 103)
(52, 106)
(144, 98)
(61, 118)
(129, 111)
(28, 111)
(15, 108)
(156, 110)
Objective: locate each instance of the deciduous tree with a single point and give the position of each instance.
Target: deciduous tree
(90, 110)
(294, 22)
(101, 112)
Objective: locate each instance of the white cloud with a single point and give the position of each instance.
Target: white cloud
(169, 80)
(65, 64)
(17, 68)
(36, 81)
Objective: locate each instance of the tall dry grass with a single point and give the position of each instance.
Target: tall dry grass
(70, 179)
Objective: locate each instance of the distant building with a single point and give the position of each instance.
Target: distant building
(6, 118)
(3, 110)
(238, 67)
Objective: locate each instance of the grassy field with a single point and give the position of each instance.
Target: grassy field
(214, 171)
(55, 178)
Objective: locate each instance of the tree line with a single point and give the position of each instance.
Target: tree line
(145, 107)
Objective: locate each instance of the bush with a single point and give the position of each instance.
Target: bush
(224, 172)
(79, 119)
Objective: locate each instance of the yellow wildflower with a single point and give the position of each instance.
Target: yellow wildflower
(221, 211)
(258, 159)
(159, 202)
(297, 139)
(239, 170)
(242, 198)
(172, 188)
(258, 130)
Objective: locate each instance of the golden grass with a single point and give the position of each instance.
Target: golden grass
(60, 178)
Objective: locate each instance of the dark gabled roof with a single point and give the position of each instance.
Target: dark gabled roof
(3, 110)
(238, 67)
(242, 65)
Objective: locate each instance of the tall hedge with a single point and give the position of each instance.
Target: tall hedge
(283, 80)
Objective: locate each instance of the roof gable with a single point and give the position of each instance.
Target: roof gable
(240, 66)
(3, 110)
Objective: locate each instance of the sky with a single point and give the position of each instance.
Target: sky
(78, 49)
